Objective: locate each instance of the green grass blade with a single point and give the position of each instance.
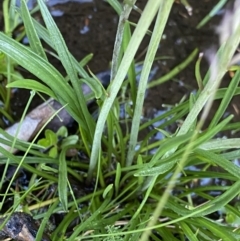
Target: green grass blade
(88, 222)
(219, 66)
(198, 72)
(32, 85)
(43, 33)
(131, 72)
(221, 144)
(40, 234)
(27, 166)
(167, 145)
(44, 71)
(221, 231)
(68, 63)
(175, 70)
(218, 160)
(116, 58)
(213, 12)
(209, 207)
(62, 180)
(188, 232)
(143, 24)
(162, 17)
(226, 99)
(31, 32)
(115, 5)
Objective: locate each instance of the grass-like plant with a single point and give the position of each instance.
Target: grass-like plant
(140, 191)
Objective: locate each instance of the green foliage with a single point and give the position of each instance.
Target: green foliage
(8, 70)
(142, 189)
(54, 142)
